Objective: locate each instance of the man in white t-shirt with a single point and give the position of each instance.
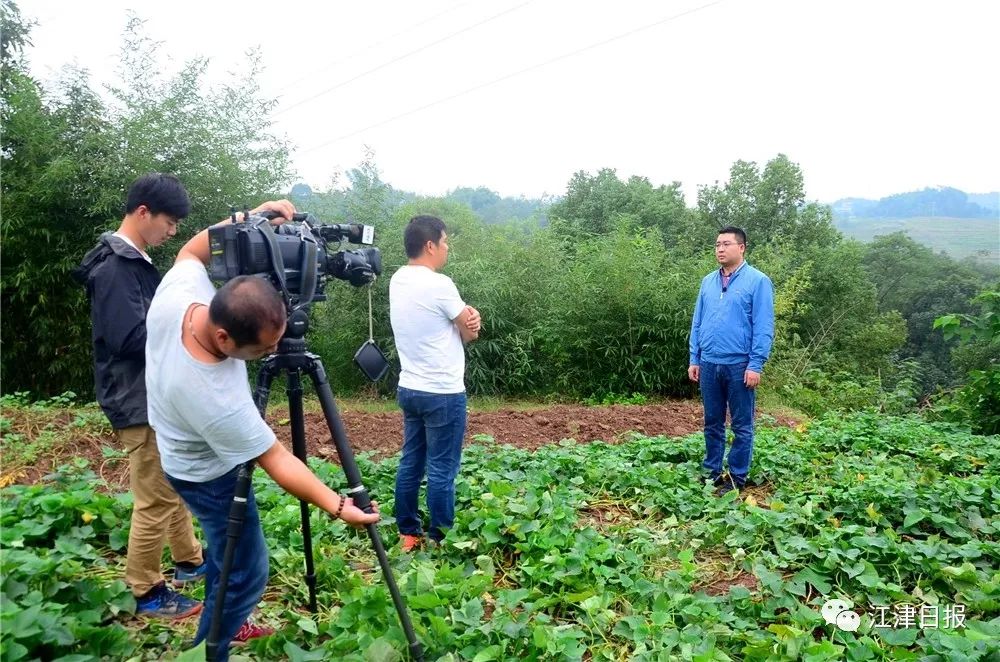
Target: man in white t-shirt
(430, 324)
(206, 423)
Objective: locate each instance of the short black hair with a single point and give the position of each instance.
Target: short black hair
(160, 193)
(419, 231)
(741, 236)
(245, 306)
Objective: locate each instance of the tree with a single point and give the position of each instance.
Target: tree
(978, 401)
(492, 208)
(769, 205)
(301, 192)
(55, 153)
(922, 285)
(596, 205)
(67, 160)
(14, 36)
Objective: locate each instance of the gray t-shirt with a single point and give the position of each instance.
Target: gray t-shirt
(204, 416)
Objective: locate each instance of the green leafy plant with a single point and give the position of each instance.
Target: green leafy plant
(978, 400)
(615, 399)
(597, 551)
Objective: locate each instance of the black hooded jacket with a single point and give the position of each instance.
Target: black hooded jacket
(120, 286)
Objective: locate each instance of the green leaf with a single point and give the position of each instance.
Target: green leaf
(869, 578)
(487, 654)
(819, 581)
(118, 539)
(308, 625)
(296, 653)
(381, 650)
(16, 651)
(196, 654)
(898, 637)
(737, 592)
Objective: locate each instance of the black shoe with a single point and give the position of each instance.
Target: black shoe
(727, 486)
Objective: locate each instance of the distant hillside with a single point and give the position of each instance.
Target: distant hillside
(930, 202)
(978, 238)
(492, 208)
(485, 203)
(986, 200)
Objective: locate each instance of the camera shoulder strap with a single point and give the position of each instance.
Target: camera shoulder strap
(277, 263)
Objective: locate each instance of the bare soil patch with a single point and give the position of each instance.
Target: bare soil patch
(720, 585)
(381, 434)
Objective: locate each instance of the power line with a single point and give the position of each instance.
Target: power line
(353, 55)
(401, 57)
(514, 74)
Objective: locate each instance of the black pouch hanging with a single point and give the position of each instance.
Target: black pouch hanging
(369, 358)
(372, 361)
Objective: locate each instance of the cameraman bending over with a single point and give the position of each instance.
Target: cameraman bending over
(207, 424)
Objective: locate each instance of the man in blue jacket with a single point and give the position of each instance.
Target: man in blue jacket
(120, 279)
(731, 335)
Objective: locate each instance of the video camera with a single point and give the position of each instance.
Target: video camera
(295, 256)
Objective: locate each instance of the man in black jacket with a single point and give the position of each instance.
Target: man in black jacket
(120, 279)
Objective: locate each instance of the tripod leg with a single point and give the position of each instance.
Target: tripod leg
(268, 371)
(237, 515)
(361, 499)
(299, 450)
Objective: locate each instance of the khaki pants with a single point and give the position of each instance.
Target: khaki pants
(158, 514)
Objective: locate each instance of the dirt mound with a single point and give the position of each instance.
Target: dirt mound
(381, 434)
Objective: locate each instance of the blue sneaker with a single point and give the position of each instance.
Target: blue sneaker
(161, 602)
(192, 573)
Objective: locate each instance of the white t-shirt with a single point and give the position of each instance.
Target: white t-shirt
(204, 416)
(422, 307)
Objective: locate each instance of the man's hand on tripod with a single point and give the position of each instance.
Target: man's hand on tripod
(357, 517)
(296, 478)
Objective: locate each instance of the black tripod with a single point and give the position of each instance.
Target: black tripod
(293, 359)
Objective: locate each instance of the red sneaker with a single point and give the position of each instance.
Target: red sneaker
(250, 630)
(410, 543)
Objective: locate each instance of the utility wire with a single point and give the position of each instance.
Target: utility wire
(475, 88)
(353, 55)
(397, 59)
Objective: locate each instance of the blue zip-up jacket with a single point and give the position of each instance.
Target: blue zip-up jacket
(737, 325)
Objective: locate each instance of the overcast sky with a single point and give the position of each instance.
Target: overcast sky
(870, 97)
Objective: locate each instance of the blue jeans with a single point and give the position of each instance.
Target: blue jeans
(721, 388)
(210, 503)
(433, 429)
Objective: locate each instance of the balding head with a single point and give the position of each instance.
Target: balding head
(247, 307)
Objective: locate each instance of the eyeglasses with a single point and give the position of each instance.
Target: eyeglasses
(726, 244)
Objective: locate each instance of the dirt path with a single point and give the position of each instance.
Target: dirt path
(382, 433)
